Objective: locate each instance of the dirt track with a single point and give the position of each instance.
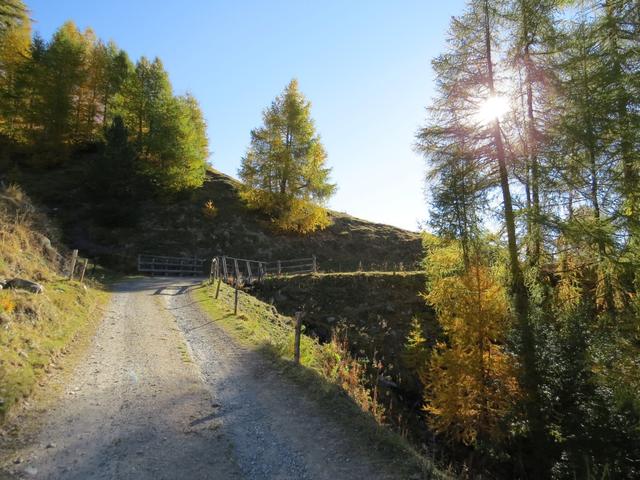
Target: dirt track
(164, 393)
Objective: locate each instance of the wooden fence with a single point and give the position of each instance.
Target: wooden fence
(171, 266)
(240, 272)
(71, 265)
(243, 271)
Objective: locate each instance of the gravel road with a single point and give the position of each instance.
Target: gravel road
(164, 393)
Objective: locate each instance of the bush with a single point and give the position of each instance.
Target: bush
(209, 210)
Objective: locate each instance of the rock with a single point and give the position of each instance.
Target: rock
(51, 445)
(28, 285)
(45, 243)
(331, 319)
(31, 471)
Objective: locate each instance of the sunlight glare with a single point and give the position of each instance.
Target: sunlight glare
(492, 108)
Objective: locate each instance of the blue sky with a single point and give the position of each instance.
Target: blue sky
(364, 64)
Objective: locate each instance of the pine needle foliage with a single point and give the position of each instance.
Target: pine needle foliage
(284, 170)
(471, 378)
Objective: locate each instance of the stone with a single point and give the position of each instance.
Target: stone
(22, 284)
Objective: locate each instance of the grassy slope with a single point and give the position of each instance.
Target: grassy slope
(35, 329)
(260, 327)
(178, 226)
(374, 310)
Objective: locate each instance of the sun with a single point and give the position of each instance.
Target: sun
(491, 109)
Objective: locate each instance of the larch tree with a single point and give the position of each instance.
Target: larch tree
(12, 11)
(284, 170)
(471, 378)
(15, 48)
(476, 98)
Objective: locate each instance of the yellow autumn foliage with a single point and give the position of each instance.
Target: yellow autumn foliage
(7, 305)
(471, 379)
(288, 214)
(209, 210)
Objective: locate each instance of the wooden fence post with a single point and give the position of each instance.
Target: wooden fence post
(214, 261)
(236, 269)
(74, 259)
(224, 269)
(249, 271)
(235, 283)
(279, 267)
(84, 269)
(315, 264)
(296, 344)
(235, 298)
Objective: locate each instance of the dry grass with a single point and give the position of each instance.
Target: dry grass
(34, 329)
(26, 237)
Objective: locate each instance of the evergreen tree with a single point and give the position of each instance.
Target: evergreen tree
(56, 80)
(114, 181)
(284, 170)
(471, 379)
(169, 132)
(176, 148)
(11, 11)
(15, 46)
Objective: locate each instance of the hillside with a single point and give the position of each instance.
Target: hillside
(35, 329)
(178, 226)
(374, 312)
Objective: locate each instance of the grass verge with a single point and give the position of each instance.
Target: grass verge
(327, 373)
(36, 329)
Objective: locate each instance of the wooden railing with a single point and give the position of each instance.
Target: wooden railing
(169, 266)
(244, 271)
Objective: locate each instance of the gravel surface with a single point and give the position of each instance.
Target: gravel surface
(165, 393)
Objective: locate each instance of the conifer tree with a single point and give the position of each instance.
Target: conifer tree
(11, 11)
(471, 379)
(15, 46)
(284, 169)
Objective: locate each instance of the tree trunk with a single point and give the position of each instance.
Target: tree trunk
(530, 379)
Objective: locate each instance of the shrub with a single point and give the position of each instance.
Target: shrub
(209, 210)
(7, 305)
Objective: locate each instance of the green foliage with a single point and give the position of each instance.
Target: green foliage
(10, 12)
(563, 156)
(284, 169)
(63, 95)
(113, 180)
(416, 349)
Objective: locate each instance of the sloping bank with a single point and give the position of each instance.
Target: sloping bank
(377, 313)
(328, 371)
(35, 329)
